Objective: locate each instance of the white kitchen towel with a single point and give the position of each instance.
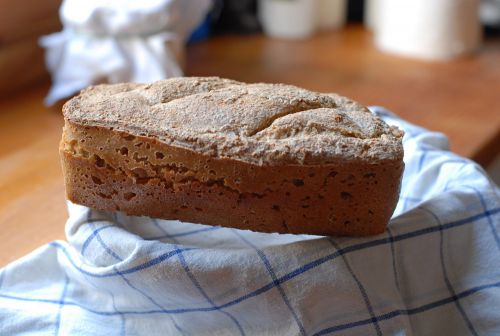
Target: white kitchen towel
(435, 271)
(118, 41)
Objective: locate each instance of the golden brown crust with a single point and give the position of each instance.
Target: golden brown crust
(261, 124)
(112, 170)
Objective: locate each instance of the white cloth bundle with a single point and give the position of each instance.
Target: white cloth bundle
(435, 271)
(118, 41)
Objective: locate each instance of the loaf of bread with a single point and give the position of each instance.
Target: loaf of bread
(263, 157)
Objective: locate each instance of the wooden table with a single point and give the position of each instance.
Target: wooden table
(460, 98)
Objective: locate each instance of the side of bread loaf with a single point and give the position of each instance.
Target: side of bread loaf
(260, 157)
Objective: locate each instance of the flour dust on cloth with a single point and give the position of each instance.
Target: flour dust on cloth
(118, 41)
(435, 271)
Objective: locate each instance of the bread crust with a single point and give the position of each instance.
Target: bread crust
(261, 124)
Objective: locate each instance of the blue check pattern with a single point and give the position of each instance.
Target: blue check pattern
(435, 271)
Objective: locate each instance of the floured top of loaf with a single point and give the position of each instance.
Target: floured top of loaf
(264, 124)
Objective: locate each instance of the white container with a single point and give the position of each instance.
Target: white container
(428, 29)
(289, 19)
(371, 14)
(331, 14)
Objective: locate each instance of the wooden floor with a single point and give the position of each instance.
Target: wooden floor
(460, 98)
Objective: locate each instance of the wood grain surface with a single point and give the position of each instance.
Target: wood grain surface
(460, 98)
(32, 205)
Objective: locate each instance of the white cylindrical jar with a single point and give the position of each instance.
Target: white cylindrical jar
(429, 29)
(331, 14)
(291, 19)
(371, 14)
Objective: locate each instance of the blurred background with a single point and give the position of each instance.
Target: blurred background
(435, 63)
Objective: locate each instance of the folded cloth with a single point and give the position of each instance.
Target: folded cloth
(435, 271)
(118, 41)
